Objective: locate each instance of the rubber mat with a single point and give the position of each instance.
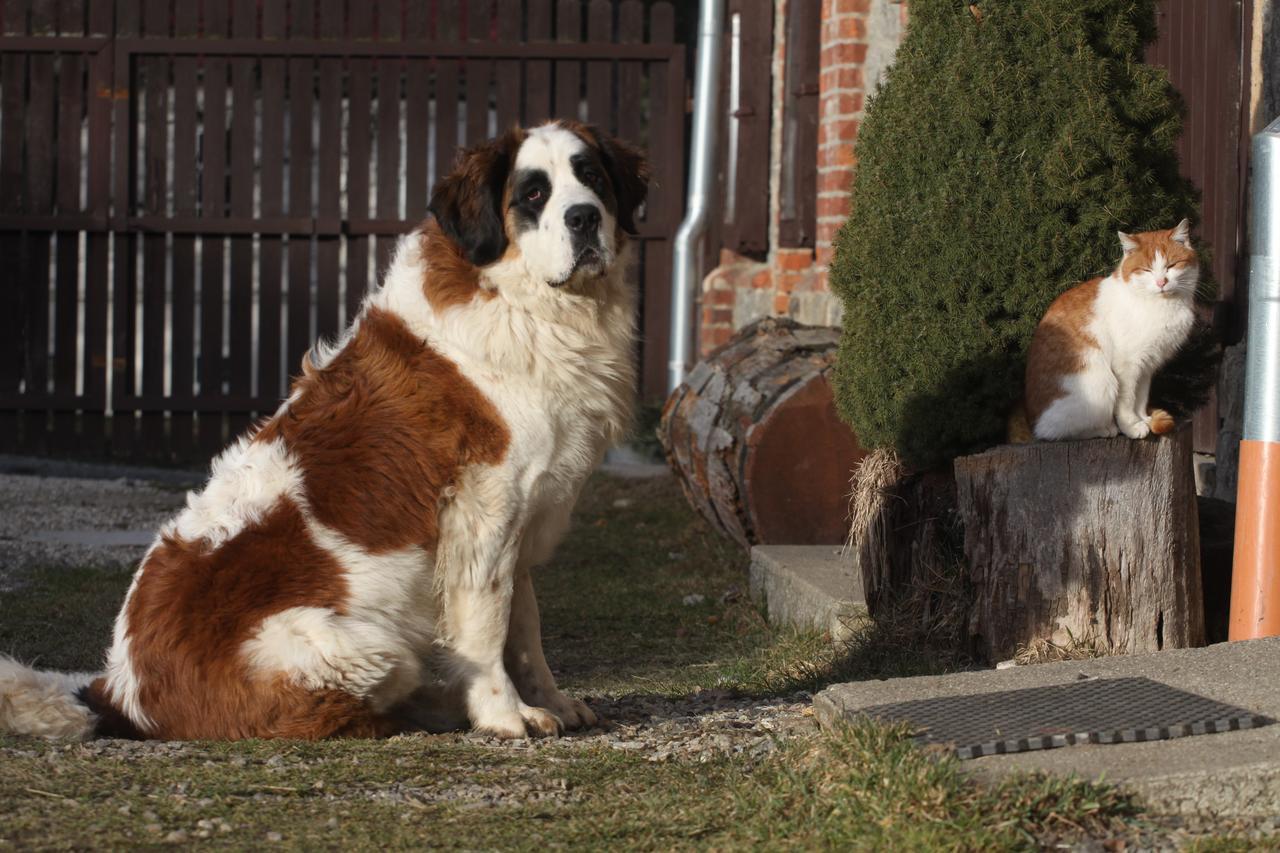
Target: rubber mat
(1097, 710)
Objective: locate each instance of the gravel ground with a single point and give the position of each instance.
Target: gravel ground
(40, 517)
(690, 729)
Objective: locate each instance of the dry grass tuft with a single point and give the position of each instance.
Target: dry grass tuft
(1047, 651)
(870, 493)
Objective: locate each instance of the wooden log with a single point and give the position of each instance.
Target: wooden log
(1085, 542)
(754, 438)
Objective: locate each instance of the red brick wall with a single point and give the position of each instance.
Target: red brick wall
(793, 282)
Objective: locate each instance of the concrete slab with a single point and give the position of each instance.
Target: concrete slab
(808, 586)
(1231, 774)
(109, 538)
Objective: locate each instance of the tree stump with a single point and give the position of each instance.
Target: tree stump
(1083, 542)
(754, 437)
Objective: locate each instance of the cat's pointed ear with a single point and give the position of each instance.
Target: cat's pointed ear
(1127, 242)
(1182, 233)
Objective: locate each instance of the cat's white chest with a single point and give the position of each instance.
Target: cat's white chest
(1133, 327)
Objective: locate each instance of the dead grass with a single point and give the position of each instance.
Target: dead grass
(1047, 651)
(870, 485)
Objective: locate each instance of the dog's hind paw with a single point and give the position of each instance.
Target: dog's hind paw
(573, 713)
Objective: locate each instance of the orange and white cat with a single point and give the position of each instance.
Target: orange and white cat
(1091, 361)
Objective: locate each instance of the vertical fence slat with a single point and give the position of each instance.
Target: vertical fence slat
(666, 133)
(13, 80)
(479, 72)
(66, 288)
(389, 29)
(124, 273)
(39, 197)
(358, 154)
(244, 104)
(600, 110)
(182, 419)
(97, 245)
(301, 145)
(630, 74)
(213, 164)
(417, 111)
(329, 163)
(447, 16)
(71, 17)
(155, 73)
(271, 196)
(537, 72)
(568, 71)
(507, 71)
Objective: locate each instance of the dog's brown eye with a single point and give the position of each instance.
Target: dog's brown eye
(533, 196)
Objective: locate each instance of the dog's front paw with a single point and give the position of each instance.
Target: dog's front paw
(574, 713)
(527, 722)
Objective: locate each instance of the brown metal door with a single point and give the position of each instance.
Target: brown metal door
(1203, 45)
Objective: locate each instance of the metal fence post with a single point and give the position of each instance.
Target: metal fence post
(1255, 587)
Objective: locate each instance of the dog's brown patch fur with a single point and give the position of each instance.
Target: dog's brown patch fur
(191, 612)
(451, 280)
(377, 434)
(381, 431)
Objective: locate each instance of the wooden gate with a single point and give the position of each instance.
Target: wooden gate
(191, 192)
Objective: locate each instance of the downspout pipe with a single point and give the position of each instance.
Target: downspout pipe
(687, 252)
(1255, 577)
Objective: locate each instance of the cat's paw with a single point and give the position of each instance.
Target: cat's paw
(1136, 429)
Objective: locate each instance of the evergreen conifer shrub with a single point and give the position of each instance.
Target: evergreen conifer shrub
(1008, 144)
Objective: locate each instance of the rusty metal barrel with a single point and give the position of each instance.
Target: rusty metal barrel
(754, 437)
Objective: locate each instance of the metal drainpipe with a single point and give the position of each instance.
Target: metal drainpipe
(687, 253)
(1255, 578)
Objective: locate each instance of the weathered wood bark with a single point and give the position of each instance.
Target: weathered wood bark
(754, 437)
(1095, 542)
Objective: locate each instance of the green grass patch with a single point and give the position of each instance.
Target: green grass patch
(615, 624)
(862, 788)
(61, 618)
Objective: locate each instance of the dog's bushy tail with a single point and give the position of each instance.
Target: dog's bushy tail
(44, 704)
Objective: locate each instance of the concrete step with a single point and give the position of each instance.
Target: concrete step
(808, 586)
(1230, 774)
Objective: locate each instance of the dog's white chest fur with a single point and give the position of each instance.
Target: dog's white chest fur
(558, 367)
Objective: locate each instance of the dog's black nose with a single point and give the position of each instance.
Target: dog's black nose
(582, 218)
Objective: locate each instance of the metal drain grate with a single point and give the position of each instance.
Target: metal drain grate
(1112, 710)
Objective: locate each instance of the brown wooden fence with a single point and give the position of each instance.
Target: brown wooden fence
(192, 191)
(1204, 46)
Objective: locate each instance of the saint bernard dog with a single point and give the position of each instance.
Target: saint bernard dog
(360, 563)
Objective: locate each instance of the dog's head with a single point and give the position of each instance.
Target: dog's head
(558, 200)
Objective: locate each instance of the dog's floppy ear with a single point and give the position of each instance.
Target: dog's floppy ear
(628, 172)
(468, 202)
